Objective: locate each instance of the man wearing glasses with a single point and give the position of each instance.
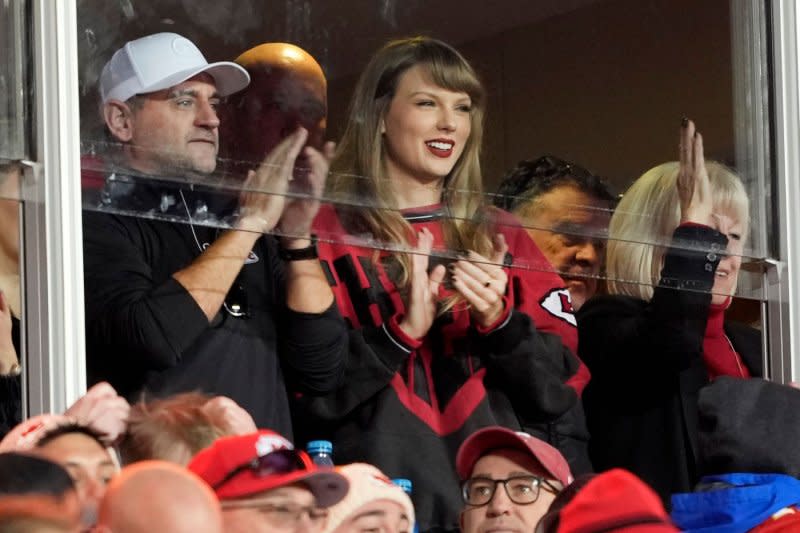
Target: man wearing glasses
(265, 485)
(509, 480)
(175, 307)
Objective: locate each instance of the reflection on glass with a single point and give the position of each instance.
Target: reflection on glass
(289, 88)
(14, 85)
(10, 297)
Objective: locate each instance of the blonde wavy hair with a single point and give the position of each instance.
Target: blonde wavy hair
(642, 225)
(359, 167)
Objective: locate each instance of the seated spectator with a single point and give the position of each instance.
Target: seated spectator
(83, 454)
(613, 502)
(22, 474)
(265, 485)
(39, 514)
(530, 471)
(101, 410)
(159, 496)
(675, 249)
(749, 425)
(175, 428)
(566, 210)
(373, 503)
(748, 435)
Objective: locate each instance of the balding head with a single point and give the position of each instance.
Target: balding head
(283, 56)
(159, 496)
(288, 89)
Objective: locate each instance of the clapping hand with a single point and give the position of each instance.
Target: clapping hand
(423, 298)
(263, 196)
(694, 189)
(482, 282)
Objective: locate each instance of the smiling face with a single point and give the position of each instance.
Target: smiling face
(425, 129)
(727, 275)
(501, 515)
(174, 131)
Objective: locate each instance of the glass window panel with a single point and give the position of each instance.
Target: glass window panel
(14, 86)
(602, 84)
(586, 92)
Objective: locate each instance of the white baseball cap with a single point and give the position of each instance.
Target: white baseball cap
(160, 61)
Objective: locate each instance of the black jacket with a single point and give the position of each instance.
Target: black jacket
(407, 405)
(647, 367)
(145, 332)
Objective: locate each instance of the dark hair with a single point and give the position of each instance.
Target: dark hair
(550, 521)
(60, 431)
(532, 178)
(22, 474)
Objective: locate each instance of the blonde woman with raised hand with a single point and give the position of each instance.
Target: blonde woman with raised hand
(660, 335)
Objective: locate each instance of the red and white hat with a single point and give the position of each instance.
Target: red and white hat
(367, 485)
(238, 466)
(491, 438)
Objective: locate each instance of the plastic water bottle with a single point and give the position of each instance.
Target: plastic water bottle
(404, 484)
(407, 487)
(321, 452)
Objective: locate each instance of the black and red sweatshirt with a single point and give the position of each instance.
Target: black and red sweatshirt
(406, 404)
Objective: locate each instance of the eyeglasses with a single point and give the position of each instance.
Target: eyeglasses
(521, 490)
(282, 515)
(277, 462)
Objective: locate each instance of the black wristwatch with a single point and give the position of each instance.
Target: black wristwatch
(300, 254)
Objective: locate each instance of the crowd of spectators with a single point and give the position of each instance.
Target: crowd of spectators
(251, 288)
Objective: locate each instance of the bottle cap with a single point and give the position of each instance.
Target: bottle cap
(404, 484)
(319, 446)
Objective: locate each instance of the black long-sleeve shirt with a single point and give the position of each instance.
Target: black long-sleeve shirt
(146, 333)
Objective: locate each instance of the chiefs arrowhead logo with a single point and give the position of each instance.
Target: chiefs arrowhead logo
(558, 303)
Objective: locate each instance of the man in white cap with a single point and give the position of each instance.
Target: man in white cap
(179, 307)
(266, 486)
(509, 479)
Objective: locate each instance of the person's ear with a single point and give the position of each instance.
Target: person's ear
(118, 117)
(461, 520)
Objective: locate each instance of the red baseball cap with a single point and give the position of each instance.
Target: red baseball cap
(225, 466)
(491, 438)
(613, 501)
